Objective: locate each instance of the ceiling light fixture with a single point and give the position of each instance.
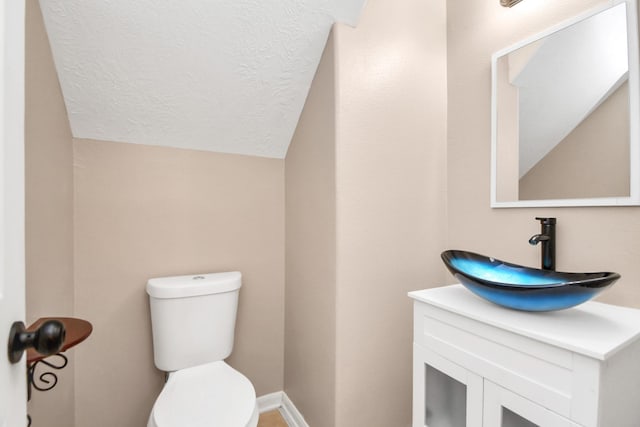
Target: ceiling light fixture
(509, 3)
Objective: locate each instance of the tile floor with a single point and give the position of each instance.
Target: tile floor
(271, 419)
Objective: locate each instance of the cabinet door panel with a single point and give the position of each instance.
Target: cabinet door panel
(444, 394)
(511, 419)
(503, 408)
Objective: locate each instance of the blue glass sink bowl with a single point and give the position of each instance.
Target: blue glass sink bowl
(524, 288)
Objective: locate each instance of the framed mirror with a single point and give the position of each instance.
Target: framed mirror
(566, 116)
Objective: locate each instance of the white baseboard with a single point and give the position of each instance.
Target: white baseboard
(279, 400)
(270, 401)
(290, 413)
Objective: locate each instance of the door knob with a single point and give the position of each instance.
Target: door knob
(46, 340)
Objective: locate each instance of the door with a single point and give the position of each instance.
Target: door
(503, 408)
(12, 298)
(444, 394)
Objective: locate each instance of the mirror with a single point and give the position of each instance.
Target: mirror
(565, 114)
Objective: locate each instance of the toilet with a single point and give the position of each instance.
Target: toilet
(193, 321)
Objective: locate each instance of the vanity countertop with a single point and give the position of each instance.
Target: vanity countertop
(593, 329)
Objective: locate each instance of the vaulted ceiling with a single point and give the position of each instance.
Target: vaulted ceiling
(228, 76)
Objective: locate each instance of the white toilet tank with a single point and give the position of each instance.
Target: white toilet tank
(193, 318)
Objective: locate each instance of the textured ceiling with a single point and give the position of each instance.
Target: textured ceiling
(219, 75)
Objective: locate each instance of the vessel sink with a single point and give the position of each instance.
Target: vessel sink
(524, 288)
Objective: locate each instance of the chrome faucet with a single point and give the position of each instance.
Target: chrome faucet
(547, 239)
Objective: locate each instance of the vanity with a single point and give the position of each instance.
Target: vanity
(478, 364)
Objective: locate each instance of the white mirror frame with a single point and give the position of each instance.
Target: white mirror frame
(634, 117)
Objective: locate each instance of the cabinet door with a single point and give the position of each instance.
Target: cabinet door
(444, 394)
(503, 408)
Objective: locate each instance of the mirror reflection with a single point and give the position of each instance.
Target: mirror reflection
(561, 106)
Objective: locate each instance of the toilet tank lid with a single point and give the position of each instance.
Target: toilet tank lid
(194, 285)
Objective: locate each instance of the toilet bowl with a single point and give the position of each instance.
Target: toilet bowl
(210, 395)
(193, 322)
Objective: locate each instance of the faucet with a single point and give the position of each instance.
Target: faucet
(547, 238)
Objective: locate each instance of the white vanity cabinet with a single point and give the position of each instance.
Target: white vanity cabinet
(480, 365)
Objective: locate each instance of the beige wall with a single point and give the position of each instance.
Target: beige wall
(48, 210)
(592, 161)
(310, 303)
(142, 212)
(588, 238)
(369, 154)
(390, 204)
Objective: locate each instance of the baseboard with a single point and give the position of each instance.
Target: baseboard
(279, 400)
(290, 413)
(270, 401)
